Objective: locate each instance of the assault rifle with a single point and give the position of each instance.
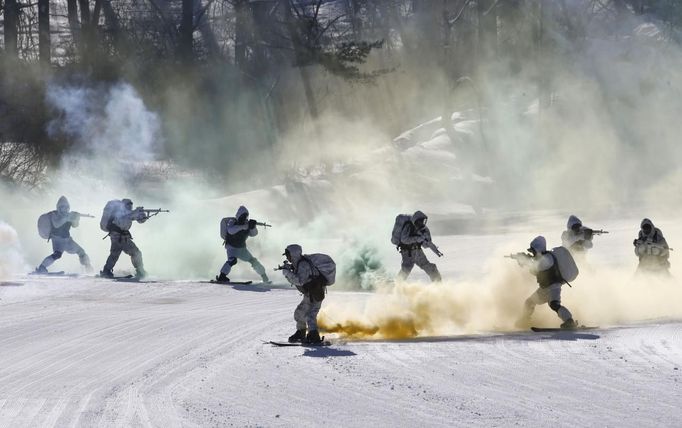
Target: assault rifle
(433, 248)
(263, 224)
(519, 256)
(596, 232)
(83, 215)
(284, 266)
(152, 212)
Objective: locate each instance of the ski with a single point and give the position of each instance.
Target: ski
(115, 277)
(213, 281)
(321, 343)
(550, 329)
(58, 273)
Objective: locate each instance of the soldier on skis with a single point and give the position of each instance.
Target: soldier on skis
(410, 234)
(545, 266)
(652, 249)
(310, 274)
(235, 231)
(56, 226)
(117, 218)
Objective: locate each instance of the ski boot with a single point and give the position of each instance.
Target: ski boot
(569, 324)
(106, 273)
(313, 337)
(265, 279)
(222, 278)
(299, 336)
(140, 273)
(41, 270)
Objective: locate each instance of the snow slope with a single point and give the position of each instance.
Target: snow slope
(91, 352)
(86, 352)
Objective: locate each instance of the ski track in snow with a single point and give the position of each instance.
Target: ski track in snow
(91, 352)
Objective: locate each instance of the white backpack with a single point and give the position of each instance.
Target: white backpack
(324, 265)
(565, 263)
(108, 213)
(400, 222)
(45, 226)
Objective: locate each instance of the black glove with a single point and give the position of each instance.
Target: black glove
(635, 242)
(587, 232)
(252, 223)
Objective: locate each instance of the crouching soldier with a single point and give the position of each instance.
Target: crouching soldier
(410, 234)
(652, 249)
(56, 226)
(545, 266)
(310, 274)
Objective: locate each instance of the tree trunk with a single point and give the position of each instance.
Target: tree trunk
(187, 31)
(240, 33)
(74, 25)
(44, 48)
(10, 27)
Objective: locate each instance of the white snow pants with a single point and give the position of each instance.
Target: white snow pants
(242, 254)
(547, 295)
(65, 245)
(306, 314)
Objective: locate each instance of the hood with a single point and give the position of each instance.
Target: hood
(242, 211)
(539, 244)
(572, 221)
(127, 202)
(296, 252)
(63, 205)
(649, 222)
(418, 215)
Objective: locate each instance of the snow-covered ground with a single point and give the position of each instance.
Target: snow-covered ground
(96, 353)
(91, 352)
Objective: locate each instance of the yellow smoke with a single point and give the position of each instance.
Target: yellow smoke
(495, 304)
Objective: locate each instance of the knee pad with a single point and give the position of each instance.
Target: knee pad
(56, 255)
(555, 305)
(232, 261)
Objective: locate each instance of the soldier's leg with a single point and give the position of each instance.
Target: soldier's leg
(57, 250)
(555, 303)
(73, 248)
(300, 313)
(231, 260)
(430, 268)
(114, 254)
(311, 315)
(539, 297)
(246, 255)
(407, 264)
(135, 254)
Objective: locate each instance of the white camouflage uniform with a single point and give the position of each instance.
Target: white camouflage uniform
(652, 249)
(307, 280)
(121, 240)
(411, 242)
(62, 220)
(235, 244)
(549, 291)
(579, 241)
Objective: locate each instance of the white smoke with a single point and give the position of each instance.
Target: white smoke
(112, 123)
(11, 259)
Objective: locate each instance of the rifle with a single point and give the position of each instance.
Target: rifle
(519, 256)
(597, 232)
(152, 212)
(258, 223)
(85, 215)
(433, 248)
(284, 266)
